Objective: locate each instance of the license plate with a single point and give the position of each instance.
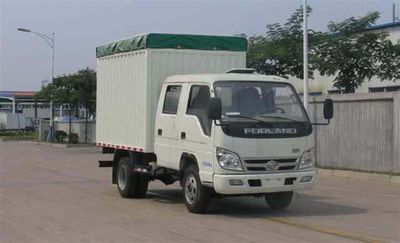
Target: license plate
(273, 182)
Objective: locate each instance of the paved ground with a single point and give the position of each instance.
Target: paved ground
(60, 195)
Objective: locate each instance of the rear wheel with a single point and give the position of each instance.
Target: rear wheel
(279, 200)
(130, 185)
(195, 194)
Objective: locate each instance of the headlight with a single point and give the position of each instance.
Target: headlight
(229, 160)
(307, 159)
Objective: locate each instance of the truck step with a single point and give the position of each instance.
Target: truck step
(145, 169)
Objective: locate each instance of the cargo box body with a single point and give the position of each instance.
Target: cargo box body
(129, 84)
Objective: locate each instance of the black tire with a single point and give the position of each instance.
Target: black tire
(196, 199)
(130, 185)
(279, 200)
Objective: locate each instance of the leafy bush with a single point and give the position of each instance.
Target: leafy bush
(73, 138)
(7, 134)
(60, 136)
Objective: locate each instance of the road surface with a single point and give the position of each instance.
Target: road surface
(52, 194)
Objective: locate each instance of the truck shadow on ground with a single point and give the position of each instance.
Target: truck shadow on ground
(303, 205)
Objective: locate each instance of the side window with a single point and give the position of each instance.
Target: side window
(171, 99)
(198, 104)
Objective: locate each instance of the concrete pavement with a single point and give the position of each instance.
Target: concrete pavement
(60, 195)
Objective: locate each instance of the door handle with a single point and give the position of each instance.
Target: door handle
(159, 132)
(183, 135)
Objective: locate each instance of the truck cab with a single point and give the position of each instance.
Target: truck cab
(234, 134)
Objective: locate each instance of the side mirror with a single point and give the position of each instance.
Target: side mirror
(328, 109)
(215, 108)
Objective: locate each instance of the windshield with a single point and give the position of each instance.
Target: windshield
(269, 101)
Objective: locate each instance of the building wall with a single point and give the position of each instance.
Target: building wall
(41, 112)
(394, 33)
(364, 133)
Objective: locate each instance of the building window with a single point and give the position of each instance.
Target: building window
(384, 89)
(311, 94)
(315, 93)
(336, 91)
(376, 89)
(393, 88)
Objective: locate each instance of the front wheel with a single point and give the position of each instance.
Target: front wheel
(195, 194)
(279, 200)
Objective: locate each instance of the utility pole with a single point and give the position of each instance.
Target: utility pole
(305, 56)
(50, 41)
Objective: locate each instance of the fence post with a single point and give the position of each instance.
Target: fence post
(396, 132)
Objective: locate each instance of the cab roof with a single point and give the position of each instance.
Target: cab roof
(211, 78)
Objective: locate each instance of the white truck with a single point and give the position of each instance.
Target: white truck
(219, 134)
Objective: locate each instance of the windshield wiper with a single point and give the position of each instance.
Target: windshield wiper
(238, 115)
(283, 118)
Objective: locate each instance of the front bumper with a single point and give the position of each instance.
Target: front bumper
(263, 183)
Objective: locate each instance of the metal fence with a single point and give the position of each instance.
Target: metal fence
(78, 127)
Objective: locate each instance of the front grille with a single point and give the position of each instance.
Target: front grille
(264, 161)
(249, 168)
(260, 165)
(287, 167)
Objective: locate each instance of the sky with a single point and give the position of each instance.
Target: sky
(80, 26)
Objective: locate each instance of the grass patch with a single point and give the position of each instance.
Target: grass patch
(19, 134)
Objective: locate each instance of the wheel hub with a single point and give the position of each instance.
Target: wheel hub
(122, 177)
(191, 189)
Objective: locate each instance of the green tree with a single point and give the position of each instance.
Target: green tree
(347, 51)
(62, 91)
(75, 90)
(389, 61)
(354, 55)
(280, 51)
(85, 84)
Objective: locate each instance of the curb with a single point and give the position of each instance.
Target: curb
(58, 145)
(17, 139)
(360, 175)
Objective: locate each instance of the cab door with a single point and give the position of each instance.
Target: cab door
(166, 139)
(194, 128)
